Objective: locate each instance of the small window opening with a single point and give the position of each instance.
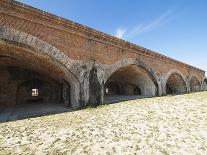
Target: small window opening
(35, 92)
(107, 90)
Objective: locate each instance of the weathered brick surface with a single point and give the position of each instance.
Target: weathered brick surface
(74, 48)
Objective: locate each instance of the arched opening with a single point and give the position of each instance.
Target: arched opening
(129, 82)
(137, 91)
(205, 84)
(194, 84)
(29, 52)
(24, 85)
(29, 80)
(33, 87)
(175, 84)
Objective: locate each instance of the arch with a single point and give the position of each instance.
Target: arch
(40, 48)
(137, 91)
(131, 61)
(148, 82)
(175, 82)
(195, 84)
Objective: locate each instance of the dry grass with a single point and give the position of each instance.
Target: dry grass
(162, 125)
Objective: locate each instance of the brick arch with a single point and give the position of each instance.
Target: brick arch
(171, 72)
(194, 75)
(40, 46)
(175, 71)
(133, 61)
(43, 49)
(190, 80)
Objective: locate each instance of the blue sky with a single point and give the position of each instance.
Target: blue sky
(175, 28)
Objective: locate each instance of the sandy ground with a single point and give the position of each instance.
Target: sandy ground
(162, 125)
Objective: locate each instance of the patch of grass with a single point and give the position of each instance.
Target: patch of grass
(102, 106)
(150, 115)
(164, 152)
(93, 109)
(203, 147)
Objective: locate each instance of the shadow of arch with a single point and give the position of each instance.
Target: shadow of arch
(175, 82)
(35, 46)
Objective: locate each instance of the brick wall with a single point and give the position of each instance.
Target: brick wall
(78, 48)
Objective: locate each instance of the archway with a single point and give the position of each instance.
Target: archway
(195, 84)
(39, 88)
(130, 82)
(175, 84)
(28, 82)
(23, 50)
(33, 73)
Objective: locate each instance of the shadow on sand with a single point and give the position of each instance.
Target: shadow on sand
(19, 112)
(24, 111)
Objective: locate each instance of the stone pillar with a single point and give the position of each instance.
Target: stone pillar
(188, 84)
(162, 85)
(163, 90)
(160, 92)
(95, 88)
(84, 89)
(102, 92)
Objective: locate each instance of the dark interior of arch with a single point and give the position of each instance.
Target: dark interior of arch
(194, 84)
(26, 78)
(130, 80)
(112, 88)
(23, 86)
(175, 84)
(205, 84)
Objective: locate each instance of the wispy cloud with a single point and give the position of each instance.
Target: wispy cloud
(144, 27)
(120, 32)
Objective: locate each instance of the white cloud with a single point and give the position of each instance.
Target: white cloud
(120, 33)
(143, 27)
